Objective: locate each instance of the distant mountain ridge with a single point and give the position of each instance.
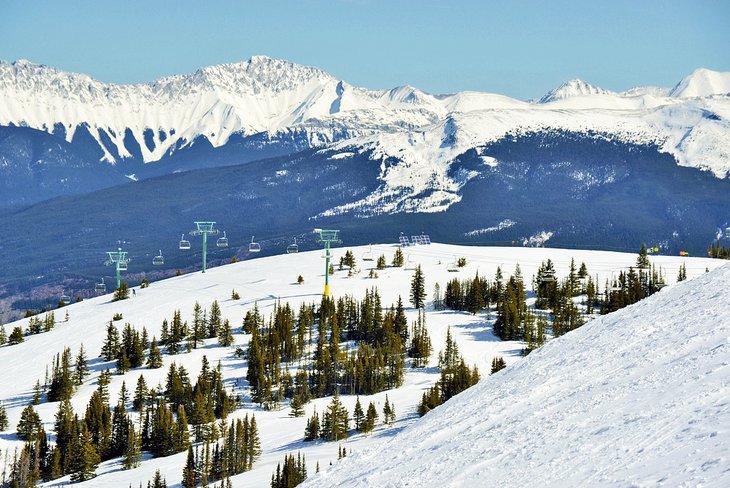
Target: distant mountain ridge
(150, 121)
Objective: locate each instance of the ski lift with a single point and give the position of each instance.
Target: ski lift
(254, 246)
(453, 266)
(222, 241)
(123, 265)
(183, 243)
(368, 256)
(292, 248)
(158, 260)
(100, 287)
(65, 298)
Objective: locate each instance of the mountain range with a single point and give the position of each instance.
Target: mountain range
(271, 147)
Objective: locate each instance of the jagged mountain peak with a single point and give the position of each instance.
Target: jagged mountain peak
(573, 88)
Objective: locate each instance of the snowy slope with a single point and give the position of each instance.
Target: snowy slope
(636, 398)
(263, 281)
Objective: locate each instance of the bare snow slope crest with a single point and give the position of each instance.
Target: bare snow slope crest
(640, 397)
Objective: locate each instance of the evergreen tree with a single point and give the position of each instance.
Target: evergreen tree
(29, 426)
(190, 477)
(293, 472)
(123, 363)
(418, 289)
(158, 481)
(371, 418)
(642, 262)
(154, 360)
(297, 408)
(140, 394)
(312, 430)
(121, 293)
(3, 418)
(86, 459)
(398, 259)
(381, 262)
(498, 364)
(420, 347)
(3, 335)
(98, 421)
(62, 382)
(105, 377)
(82, 367)
(16, 336)
(198, 332)
(388, 412)
(121, 425)
(336, 422)
(214, 320)
(133, 452)
(36, 393)
(358, 415)
(225, 334)
(682, 273)
(110, 348)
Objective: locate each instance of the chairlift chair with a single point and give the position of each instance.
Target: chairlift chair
(292, 248)
(65, 298)
(452, 267)
(254, 246)
(368, 255)
(100, 287)
(122, 265)
(158, 260)
(183, 243)
(222, 241)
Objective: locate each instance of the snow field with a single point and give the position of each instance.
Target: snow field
(263, 281)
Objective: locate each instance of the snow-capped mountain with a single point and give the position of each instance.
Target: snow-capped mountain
(267, 104)
(268, 95)
(573, 88)
(635, 398)
(702, 83)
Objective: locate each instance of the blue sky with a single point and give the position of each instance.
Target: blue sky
(518, 48)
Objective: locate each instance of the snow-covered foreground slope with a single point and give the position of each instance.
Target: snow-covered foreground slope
(262, 282)
(640, 397)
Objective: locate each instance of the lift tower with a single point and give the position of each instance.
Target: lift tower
(204, 228)
(328, 237)
(119, 260)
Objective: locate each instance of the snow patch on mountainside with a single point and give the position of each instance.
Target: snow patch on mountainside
(505, 224)
(634, 398)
